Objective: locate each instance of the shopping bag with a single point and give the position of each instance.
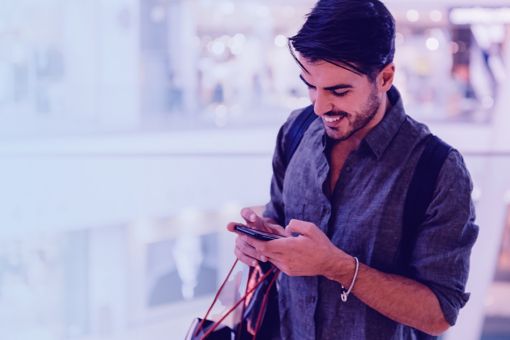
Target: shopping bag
(245, 322)
(261, 316)
(221, 332)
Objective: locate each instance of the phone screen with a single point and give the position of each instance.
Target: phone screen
(259, 235)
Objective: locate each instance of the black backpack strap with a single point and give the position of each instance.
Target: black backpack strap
(419, 196)
(296, 132)
(421, 190)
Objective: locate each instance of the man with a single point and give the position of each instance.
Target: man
(345, 275)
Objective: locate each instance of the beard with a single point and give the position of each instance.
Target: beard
(361, 118)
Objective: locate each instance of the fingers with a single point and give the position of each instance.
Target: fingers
(248, 260)
(249, 215)
(276, 229)
(246, 253)
(252, 219)
(249, 250)
(266, 249)
(230, 227)
(300, 227)
(246, 248)
(243, 251)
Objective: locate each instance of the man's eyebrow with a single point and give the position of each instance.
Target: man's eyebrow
(329, 88)
(338, 87)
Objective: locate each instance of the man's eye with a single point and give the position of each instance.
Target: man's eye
(339, 94)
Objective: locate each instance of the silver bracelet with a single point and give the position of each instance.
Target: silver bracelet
(345, 293)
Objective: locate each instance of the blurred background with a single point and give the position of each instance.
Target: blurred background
(132, 131)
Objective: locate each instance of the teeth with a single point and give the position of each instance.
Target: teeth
(332, 119)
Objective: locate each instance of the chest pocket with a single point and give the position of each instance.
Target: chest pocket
(302, 193)
(304, 201)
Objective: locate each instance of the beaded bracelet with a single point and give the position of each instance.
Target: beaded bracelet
(345, 292)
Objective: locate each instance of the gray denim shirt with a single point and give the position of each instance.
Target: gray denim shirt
(364, 217)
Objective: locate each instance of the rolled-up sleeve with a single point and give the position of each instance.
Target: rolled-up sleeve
(440, 258)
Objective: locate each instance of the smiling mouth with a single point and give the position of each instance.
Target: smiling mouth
(332, 119)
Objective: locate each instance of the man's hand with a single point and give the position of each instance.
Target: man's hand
(306, 251)
(245, 252)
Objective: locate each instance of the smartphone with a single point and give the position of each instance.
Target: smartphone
(259, 235)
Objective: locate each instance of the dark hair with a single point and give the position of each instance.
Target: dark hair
(358, 35)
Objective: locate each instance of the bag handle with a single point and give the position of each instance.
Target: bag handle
(216, 297)
(217, 323)
(264, 302)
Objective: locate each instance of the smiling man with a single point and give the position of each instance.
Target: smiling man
(365, 264)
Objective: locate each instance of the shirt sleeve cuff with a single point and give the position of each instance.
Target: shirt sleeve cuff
(451, 302)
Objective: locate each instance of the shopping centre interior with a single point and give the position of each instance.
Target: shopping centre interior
(134, 130)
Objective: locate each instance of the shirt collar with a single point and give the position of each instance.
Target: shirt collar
(379, 138)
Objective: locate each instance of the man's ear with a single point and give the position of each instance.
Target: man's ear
(385, 77)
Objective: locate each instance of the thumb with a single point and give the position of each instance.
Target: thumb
(252, 219)
(298, 227)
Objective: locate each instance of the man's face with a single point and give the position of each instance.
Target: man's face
(345, 101)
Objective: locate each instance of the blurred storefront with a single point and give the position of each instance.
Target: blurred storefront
(169, 64)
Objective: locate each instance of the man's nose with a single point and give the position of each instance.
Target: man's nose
(321, 104)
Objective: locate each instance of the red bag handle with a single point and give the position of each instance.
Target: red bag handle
(264, 303)
(217, 323)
